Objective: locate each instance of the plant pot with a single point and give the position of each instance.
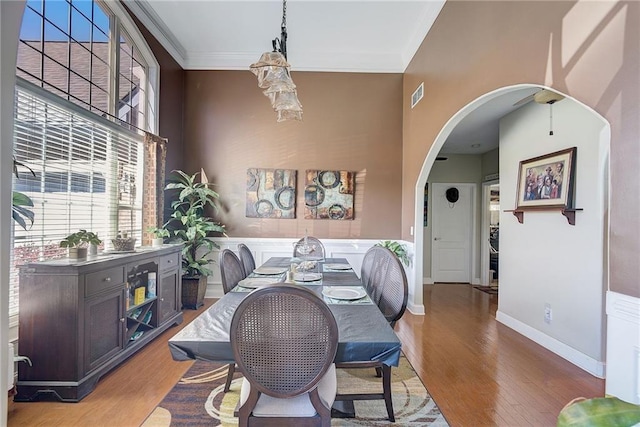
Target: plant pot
(93, 249)
(193, 291)
(158, 241)
(77, 253)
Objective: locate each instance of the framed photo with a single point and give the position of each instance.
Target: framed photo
(547, 181)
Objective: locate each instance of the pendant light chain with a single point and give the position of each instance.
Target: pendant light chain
(551, 118)
(284, 13)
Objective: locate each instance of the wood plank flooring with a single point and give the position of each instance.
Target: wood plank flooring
(479, 372)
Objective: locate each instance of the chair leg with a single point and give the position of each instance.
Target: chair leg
(386, 389)
(378, 372)
(232, 370)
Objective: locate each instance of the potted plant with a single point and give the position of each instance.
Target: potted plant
(190, 224)
(398, 249)
(21, 203)
(77, 243)
(93, 241)
(159, 233)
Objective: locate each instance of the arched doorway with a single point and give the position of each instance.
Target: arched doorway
(531, 273)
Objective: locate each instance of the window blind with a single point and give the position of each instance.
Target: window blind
(88, 175)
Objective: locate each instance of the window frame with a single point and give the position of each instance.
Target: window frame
(122, 20)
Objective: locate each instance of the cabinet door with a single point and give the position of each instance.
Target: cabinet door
(169, 290)
(103, 329)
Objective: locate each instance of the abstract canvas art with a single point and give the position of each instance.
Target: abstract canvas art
(329, 194)
(271, 193)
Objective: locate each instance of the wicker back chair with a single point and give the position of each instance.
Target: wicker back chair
(231, 272)
(367, 269)
(246, 257)
(383, 277)
(284, 339)
(318, 248)
(391, 281)
(231, 269)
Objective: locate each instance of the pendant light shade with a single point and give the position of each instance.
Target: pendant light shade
(274, 76)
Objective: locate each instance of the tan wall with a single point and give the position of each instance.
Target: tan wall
(351, 122)
(589, 50)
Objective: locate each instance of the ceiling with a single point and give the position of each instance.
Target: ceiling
(329, 35)
(378, 36)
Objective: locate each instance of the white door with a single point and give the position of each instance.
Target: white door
(452, 234)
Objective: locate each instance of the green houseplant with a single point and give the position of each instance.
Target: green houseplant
(159, 234)
(190, 225)
(77, 243)
(398, 249)
(599, 412)
(21, 203)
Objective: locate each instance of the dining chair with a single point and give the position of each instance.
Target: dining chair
(315, 243)
(231, 272)
(383, 277)
(284, 339)
(248, 262)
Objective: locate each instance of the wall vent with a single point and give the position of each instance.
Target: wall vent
(417, 95)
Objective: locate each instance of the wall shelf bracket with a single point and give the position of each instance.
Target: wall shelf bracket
(569, 213)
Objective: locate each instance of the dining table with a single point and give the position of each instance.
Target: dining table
(363, 332)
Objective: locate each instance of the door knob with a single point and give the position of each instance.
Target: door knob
(436, 238)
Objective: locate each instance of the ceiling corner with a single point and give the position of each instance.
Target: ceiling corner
(145, 13)
(422, 29)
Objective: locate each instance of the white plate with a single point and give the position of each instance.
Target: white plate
(344, 292)
(255, 282)
(307, 277)
(270, 270)
(338, 266)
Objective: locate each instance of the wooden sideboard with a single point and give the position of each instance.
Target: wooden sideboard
(80, 319)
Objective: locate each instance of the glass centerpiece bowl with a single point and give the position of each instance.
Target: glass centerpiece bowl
(304, 248)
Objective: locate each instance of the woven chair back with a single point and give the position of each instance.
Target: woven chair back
(384, 279)
(315, 243)
(246, 257)
(284, 338)
(231, 269)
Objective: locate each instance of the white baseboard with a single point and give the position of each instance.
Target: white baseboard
(427, 281)
(416, 309)
(475, 281)
(581, 360)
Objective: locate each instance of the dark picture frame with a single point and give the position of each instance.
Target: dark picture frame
(547, 182)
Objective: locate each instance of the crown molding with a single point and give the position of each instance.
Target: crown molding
(158, 29)
(328, 62)
(426, 22)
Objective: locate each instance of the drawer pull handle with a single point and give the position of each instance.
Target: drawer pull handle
(122, 320)
(107, 279)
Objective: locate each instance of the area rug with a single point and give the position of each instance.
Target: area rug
(492, 290)
(198, 399)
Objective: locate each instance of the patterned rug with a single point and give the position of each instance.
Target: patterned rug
(198, 399)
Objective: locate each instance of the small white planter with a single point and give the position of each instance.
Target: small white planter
(158, 241)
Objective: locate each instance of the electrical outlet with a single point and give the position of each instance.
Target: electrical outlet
(548, 313)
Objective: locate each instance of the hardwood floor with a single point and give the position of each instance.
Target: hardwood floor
(479, 372)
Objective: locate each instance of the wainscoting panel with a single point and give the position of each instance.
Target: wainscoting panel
(623, 347)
